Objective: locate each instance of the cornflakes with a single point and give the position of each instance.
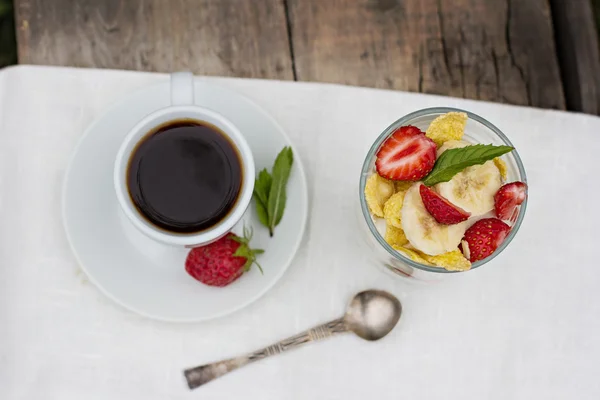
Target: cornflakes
(392, 209)
(377, 191)
(450, 126)
(451, 261)
(501, 165)
(395, 236)
(412, 254)
(403, 186)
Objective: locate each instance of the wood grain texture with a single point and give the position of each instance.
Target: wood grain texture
(8, 52)
(212, 37)
(577, 44)
(497, 50)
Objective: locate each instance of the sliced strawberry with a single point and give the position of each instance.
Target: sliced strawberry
(407, 155)
(483, 238)
(441, 209)
(513, 217)
(508, 197)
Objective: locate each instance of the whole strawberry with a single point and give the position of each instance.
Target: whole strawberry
(222, 262)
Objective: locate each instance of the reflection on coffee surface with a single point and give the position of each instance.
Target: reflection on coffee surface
(185, 176)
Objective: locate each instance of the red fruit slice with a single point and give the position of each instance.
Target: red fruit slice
(508, 197)
(483, 238)
(441, 209)
(407, 155)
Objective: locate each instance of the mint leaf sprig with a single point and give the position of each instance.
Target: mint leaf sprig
(270, 190)
(262, 187)
(453, 161)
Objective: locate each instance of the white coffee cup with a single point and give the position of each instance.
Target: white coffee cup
(182, 107)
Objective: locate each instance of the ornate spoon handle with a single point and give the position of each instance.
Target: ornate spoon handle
(200, 375)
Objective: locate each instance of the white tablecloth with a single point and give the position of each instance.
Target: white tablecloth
(525, 326)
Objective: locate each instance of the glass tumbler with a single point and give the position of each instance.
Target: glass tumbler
(478, 130)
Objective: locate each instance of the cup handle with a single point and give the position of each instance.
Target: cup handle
(182, 89)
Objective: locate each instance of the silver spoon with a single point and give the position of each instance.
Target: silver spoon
(371, 315)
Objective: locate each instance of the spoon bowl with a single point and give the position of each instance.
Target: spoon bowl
(372, 314)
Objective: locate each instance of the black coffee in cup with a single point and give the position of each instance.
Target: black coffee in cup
(185, 176)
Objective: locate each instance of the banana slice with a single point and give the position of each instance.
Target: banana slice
(474, 188)
(423, 232)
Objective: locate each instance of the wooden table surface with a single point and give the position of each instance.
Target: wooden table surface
(542, 53)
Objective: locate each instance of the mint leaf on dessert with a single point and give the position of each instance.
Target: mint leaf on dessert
(277, 195)
(453, 161)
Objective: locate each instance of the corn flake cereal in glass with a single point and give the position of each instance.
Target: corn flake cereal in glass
(451, 261)
(501, 165)
(392, 209)
(377, 191)
(412, 254)
(449, 126)
(395, 236)
(403, 186)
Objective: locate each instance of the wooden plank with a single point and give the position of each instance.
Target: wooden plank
(8, 51)
(212, 37)
(501, 50)
(577, 45)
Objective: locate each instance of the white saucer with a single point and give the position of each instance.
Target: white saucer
(147, 277)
